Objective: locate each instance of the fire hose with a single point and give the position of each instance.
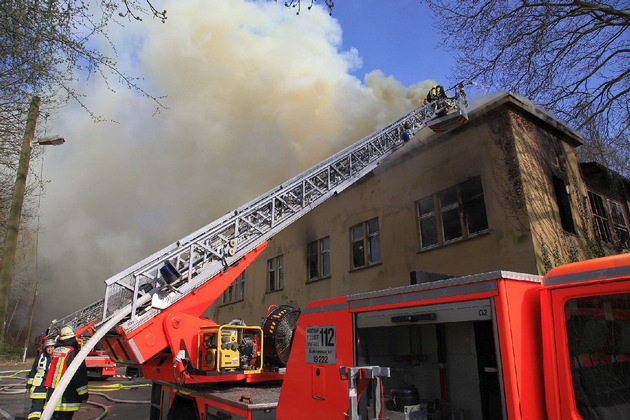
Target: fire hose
(87, 347)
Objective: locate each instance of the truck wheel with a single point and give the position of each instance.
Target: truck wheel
(133, 372)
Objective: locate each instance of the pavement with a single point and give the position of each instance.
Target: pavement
(121, 397)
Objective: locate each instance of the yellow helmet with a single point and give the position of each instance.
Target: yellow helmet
(66, 333)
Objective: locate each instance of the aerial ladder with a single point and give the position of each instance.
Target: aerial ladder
(145, 305)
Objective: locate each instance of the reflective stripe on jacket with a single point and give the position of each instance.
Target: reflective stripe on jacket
(36, 377)
(77, 389)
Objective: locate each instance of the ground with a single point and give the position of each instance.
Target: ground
(121, 397)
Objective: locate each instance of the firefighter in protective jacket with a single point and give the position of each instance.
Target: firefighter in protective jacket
(436, 95)
(77, 390)
(35, 379)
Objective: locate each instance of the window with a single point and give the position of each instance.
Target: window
(471, 193)
(608, 218)
(453, 214)
(366, 244)
(235, 291)
(619, 221)
(598, 328)
(428, 223)
(564, 204)
(275, 274)
(450, 212)
(318, 259)
(600, 217)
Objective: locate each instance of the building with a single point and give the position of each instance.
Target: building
(608, 196)
(504, 191)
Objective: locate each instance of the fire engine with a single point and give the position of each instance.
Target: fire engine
(99, 364)
(497, 345)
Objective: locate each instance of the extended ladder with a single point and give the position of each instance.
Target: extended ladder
(172, 273)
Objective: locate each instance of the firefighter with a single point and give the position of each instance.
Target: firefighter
(405, 134)
(77, 390)
(35, 381)
(40, 340)
(435, 95)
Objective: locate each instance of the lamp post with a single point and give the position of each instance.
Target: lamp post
(13, 223)
(54, 141)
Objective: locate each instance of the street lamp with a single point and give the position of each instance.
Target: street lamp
(55, 140)
(13, 223)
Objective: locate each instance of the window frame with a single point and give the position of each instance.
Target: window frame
(235, 292)
(620, 227)
(608, 217)
(318, 259)
(275, 265)
(456, 203)
(563, 202)
(601, 221)
(319, 252)
(368, 244)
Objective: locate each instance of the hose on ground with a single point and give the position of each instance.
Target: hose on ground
(115, 387)
(101, 406)
(12, 388)
(117, 400)
(12, 373)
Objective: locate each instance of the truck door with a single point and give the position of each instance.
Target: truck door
(594, 358)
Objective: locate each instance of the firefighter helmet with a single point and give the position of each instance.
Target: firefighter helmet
(66, 333)
(49, 342)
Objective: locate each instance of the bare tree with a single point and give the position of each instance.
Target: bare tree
(611, 152)
(569, 56)
(45, 45)
(297, 4)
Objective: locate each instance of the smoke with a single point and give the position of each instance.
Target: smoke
(254, 95)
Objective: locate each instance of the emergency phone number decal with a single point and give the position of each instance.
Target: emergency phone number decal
(321, 344)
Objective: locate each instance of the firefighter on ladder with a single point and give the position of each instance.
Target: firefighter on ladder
(35, 381)
(436, 95)
(77, 390)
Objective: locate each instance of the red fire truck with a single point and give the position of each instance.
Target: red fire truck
(100, 365)
(497, 345)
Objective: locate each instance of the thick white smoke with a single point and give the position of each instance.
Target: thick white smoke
(254, 95)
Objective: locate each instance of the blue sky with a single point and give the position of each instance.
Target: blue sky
(397, 38)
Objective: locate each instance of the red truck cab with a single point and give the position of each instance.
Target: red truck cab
(498, 345)
(586, 337)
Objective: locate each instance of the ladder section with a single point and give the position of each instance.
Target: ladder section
(172, 273)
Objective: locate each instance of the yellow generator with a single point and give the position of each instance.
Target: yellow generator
(230, 347)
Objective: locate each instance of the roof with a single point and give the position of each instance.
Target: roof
(596, 173)
(478, 109)
(483, 105)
